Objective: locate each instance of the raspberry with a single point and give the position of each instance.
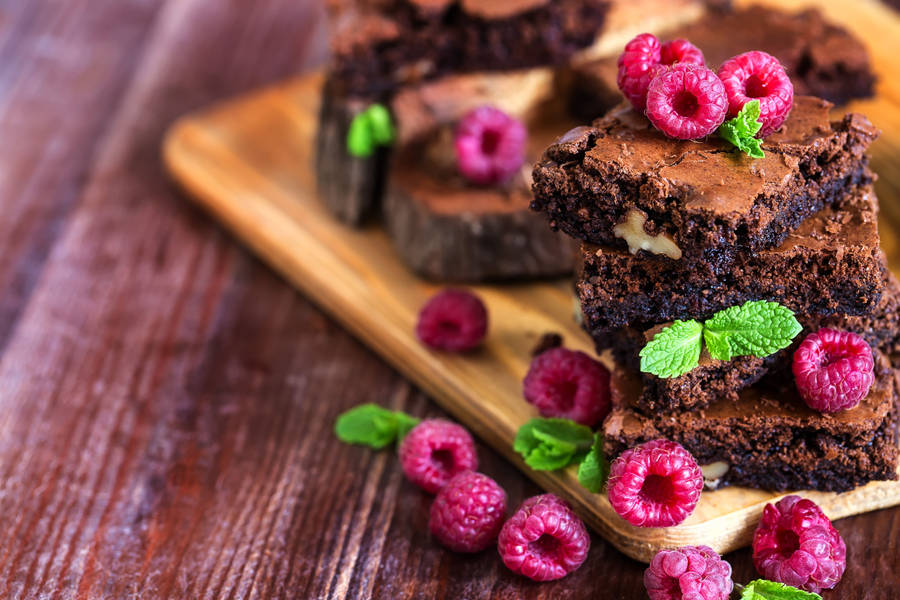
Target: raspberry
(468, 512)
(681, 51)
(544, 539)
(434, 451)
(795, 543)
(635, 68)
(833, 370)
(453, 320)
(758, 76)
(490, 146)
(688, 573)
(656, 484)
(686, 102)
(568, 384)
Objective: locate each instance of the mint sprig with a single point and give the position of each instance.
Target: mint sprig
(369, 129)
(372, 425)
(594, 469)
(763, 589)
(673, 351)
(741, 130)
(550, 444)
(756, 328)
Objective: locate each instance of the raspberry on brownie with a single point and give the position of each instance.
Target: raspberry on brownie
(458, 210)
(713, 380)
(821, 58)
(623, 184)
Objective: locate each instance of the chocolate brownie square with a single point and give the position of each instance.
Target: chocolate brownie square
(769, 438)
(623, 184)
(448, 229)
(713, 380)
(821, 58)
(831, 265)
(380, 45)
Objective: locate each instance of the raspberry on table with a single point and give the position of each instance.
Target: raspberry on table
(759, 76)
(834, 370)
(434, 451)
(490, 146)
(795, 543)
(468, 512)
(681, 51)
(544, 539)
(656, 484)
(688, 573)
(453, 320)
(568, 384)
(635, 68)
(686, 102)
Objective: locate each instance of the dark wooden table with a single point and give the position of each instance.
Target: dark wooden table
(166, 401)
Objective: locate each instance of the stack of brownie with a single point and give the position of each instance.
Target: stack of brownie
(431, 62)
(681, 230)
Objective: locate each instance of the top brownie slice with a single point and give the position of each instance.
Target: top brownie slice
(622, 184)
(380, 45)
(821, 58)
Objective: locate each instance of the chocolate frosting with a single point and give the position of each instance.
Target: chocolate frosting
(710, 175)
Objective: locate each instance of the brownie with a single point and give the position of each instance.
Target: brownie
(821, 58)
(352, 187)
(448, 229)
(380, 45)
(769, 438)
(700, 201)
(713, 380)
(831, 265)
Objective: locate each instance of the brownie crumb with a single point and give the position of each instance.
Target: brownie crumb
(548, 341)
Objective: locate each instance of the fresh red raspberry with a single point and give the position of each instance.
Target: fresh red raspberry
(795, 543)
(686, 102)
(834, 370)
(490, 146)
(434, 451)
(688, 573)
(453, 320)
(681, 51)
(635, 68)
(568, 384)
(468, 512)
(544, 539)
(758, 76)
(656, 484)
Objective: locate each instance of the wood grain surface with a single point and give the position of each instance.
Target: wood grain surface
(249, 162)
(166, 400)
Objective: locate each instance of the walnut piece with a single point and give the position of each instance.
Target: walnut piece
(713, 473)
(632, 231)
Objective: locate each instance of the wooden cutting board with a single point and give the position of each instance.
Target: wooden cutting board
(248, 162)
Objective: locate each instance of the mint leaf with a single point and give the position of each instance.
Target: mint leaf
(755, 328)
(741, 131)
(673, 351)
(370, 128)
(594, 470)
(372, 425)
(762, 589)
(381, 124)
(550, 444)
(360, 140)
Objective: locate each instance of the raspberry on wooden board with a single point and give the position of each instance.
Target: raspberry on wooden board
(434, 451)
